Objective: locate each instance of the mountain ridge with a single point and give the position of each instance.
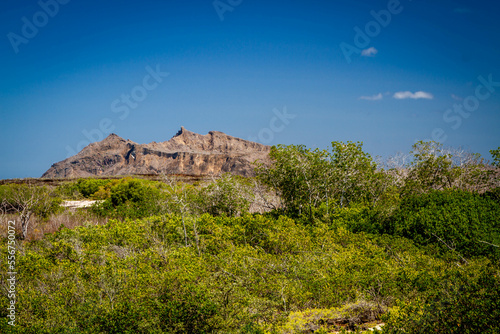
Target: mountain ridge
(186, 153)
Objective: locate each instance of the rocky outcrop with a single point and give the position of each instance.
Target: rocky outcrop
(186, 153)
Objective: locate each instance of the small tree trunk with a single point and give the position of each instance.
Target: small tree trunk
(196, 237)
(185, 232)
(25, 221)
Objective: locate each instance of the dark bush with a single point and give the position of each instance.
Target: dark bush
(463, 221)
(468, 302)
(131, 198)
(187, 308)
(88, 187)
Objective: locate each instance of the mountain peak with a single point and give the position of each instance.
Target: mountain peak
(113, 136)
(180, 132)
(185, 153)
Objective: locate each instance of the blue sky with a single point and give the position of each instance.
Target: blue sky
(275, 72)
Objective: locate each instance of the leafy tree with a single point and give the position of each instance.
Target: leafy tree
(430, 168)
(353, 175)
(297, 176)
(29, 200)
(496, 157)
(227, 195)
(434, 167)
(306, 179)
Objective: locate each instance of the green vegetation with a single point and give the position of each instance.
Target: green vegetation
(350, 245)
(467, 222)
(304, 179)
(27, 201)
(496, 156)
(127, 198)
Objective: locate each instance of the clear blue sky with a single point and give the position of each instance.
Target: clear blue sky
(233, 65)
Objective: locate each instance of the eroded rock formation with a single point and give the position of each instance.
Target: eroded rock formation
(186, 153)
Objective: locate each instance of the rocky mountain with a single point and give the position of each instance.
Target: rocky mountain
(187, 153)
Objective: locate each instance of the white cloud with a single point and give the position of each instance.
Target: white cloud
(372, 98)
(370, 52)
(456, 97)
(410, 95)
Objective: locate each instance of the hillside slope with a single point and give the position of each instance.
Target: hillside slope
(186, 153)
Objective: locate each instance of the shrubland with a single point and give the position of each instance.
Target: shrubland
(321, 241)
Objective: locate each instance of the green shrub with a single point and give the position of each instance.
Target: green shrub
(453, 219)
(495, 154)
(467, 302)
(229, 195)
(88, 187)
(69, 191)
(244, 274)
(493, 194)
(186, 308)
(131, 198)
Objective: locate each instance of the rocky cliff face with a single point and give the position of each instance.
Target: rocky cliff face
(186, 153)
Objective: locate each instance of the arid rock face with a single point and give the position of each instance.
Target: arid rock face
(186, 153)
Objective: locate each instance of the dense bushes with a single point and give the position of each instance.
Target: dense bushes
(463, 222)
(306, 179)
(352, 245)
(247, 272)
(433, 198)
(135, 198)
(468, 301)
(131, 198)
(493, 194)
(345, 175)
(187, 308)
(89, 187)
(445, 201)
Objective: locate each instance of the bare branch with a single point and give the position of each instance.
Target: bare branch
(485, 242)
(452, 249)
